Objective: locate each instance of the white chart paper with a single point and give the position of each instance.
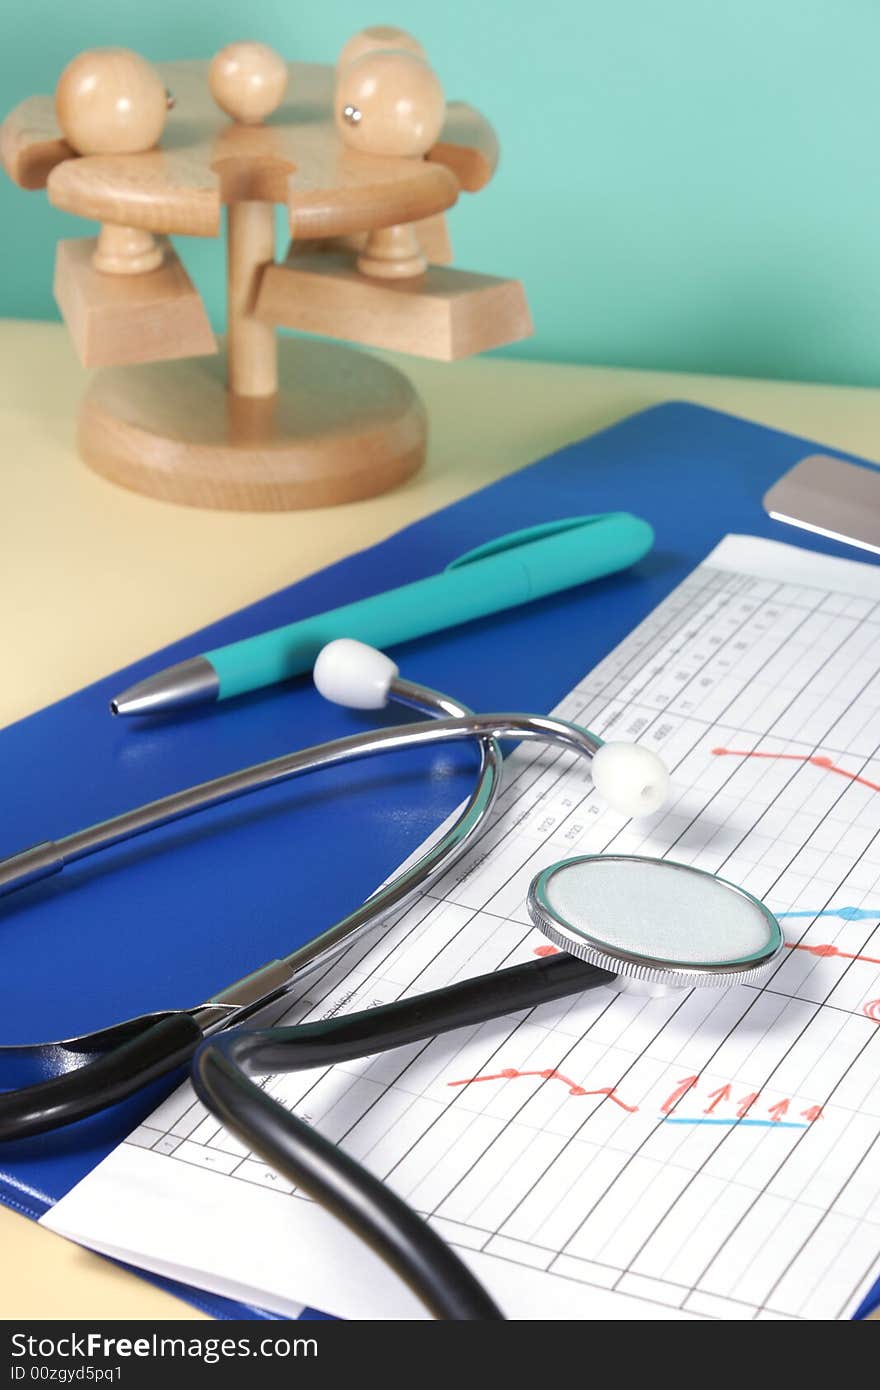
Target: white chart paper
(709, 1154)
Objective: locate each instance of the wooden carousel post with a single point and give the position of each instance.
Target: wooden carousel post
(251, 347)
(248, 82)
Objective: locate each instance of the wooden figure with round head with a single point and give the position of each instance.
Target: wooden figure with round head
(248, 81)
(112, 101)
(389, 103)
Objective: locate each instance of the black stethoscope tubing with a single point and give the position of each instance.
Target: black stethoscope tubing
(222, 1073)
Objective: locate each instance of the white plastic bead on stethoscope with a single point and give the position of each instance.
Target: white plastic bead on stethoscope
(631, 779)
(350, 673)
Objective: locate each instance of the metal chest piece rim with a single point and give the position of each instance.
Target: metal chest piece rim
(640, 968)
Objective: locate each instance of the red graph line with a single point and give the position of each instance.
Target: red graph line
(510, 1074)
(826, 948)
(815, 759)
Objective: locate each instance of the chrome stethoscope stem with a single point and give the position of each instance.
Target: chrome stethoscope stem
(45, 859)
(80, 1075)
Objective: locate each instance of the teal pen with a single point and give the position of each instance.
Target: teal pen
(503, 573)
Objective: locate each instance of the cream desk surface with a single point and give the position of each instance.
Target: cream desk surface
(93, 577)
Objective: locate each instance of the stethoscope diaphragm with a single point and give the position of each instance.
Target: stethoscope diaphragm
(654, 922)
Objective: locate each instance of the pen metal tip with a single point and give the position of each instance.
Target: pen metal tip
(192, 682)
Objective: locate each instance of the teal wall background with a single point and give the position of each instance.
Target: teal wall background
(692, 184)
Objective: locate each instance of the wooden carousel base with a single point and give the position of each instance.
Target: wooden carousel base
(342, 426)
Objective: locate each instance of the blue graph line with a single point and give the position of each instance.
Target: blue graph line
(849, 914)
(710, 1120)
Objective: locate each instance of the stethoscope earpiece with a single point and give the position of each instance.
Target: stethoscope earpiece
(350, 673)
(632, 779)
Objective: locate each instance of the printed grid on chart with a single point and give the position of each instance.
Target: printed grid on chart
(716, 1151)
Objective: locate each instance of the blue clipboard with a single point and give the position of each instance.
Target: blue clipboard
(166, 921)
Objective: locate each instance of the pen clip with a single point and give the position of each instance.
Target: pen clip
(515, 539)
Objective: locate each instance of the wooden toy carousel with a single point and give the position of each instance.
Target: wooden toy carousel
(365, 159)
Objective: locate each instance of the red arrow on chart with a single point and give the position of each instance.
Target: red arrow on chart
(813, 1112)
(778, 1110)
(746, 1104)
(681, 1090)
(716, 1097)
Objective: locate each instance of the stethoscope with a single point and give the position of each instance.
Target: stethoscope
(620, 920)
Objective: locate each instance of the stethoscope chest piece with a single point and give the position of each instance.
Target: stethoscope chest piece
(655, 924)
